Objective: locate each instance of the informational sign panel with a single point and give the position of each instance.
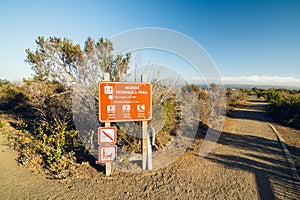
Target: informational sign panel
(107, 153)
(107, 135)
(121, 101)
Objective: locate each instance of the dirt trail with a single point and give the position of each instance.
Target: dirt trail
(247, 163)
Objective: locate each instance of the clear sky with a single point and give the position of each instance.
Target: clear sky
(249, 41)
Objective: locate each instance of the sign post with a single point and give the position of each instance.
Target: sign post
(144, 136)
(108, 169)
(107, 124)
(122, 101)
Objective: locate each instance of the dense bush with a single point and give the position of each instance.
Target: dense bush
(286, 109)
(166, 99)
(51, 146)
(47, 138)
(284, 105)
(234, 96)
(183, 111)
(164, 120)
(2, 124)
(39, 100)
(208, 107)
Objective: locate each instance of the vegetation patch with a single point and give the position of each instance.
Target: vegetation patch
(47, 138)
(51, 146)
(284, 105)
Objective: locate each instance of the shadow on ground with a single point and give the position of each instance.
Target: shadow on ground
(268, 170)
(255, 111)
(260, 156)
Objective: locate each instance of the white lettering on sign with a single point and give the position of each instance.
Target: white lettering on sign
(126, 92)
(132, 87)
(142, 92)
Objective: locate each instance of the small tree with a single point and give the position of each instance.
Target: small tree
(62, 60)
(78, 70)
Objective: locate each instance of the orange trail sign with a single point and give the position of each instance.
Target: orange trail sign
(122, 101)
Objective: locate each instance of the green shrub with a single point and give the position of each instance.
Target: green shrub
(1, 124)
(284, 105)
(286, 110)
(234, 96)
(129, 136)
(47, 138)
(129, 133)
(52, 144)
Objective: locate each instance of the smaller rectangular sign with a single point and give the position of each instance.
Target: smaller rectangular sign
(107, 153)
(107, 135)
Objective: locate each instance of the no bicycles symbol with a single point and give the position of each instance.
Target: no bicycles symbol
(107, 135)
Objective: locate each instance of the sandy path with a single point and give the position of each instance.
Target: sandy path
(254, 148)
(247, 163)
(17, 182)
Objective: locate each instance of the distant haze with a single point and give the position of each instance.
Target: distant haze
(267, 81)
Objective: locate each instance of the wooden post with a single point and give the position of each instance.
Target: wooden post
(149, 155)
(106, 77)
(108, 168)
(144, 136)
(144, 145)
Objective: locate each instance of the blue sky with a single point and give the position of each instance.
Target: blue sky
(249, 41)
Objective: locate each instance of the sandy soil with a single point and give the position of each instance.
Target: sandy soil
(291, 137)
(247, 163)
